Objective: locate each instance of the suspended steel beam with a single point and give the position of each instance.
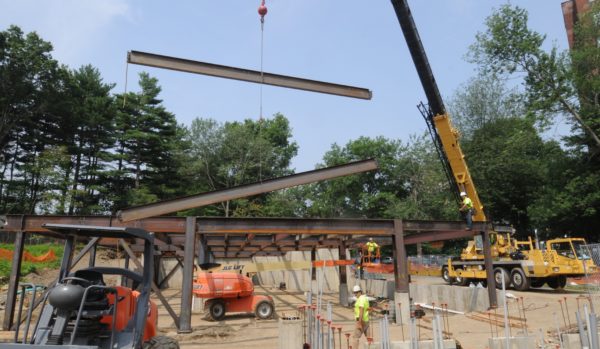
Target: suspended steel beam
(170, 206)
(222, 71)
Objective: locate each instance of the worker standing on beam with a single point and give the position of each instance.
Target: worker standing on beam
(361, 315)
(372, 247)
(467, 209)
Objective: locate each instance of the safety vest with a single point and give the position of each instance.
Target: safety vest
(371, 245)
(362, 302)
(467, 202)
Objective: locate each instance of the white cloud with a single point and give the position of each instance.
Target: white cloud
(73, 26)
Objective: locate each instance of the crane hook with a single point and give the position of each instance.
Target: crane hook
(262, 11)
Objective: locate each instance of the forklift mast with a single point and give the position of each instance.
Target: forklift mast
(445, 136)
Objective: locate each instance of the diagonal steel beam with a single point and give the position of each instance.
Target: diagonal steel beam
(155, 288)
(203, 199)
(222, 71)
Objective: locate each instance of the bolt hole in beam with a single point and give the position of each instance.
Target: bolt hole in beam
(222, 71)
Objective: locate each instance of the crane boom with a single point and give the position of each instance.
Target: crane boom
(444, 135)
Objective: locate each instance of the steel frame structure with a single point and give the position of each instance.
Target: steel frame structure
(201, 237)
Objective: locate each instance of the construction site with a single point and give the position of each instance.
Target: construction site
(152, 277)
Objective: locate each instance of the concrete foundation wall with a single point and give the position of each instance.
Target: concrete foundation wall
(466, 299)
(515, 342)
(572, 340)
(299, 280)
(448, 344)
(295, 280)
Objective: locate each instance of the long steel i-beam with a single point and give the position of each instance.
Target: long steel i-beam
(222, 71)
(203, 199)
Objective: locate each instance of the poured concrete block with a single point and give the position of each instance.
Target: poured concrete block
(572, 340)
(448, 344)
(515, 342)
(290, 334)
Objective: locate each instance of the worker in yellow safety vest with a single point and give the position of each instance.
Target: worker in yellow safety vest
(467, 209)
(371, 248)
(361, 315)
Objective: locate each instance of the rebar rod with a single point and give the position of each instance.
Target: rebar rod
(558, 330)
(567, 309)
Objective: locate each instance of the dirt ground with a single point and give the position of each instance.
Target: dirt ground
(543, 312)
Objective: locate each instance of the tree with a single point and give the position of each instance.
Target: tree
(26, 69)
(511, 165)
(481, 100)
(145, 167)
(235, 153)
(509, 46)
(409, 183)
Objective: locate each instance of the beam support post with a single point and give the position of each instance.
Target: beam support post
(185, 316)
(343, 276)
(489, 267)
(13, 283)
(401, 295)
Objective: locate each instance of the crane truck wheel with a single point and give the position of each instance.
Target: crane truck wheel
(558, 282)
(519, 280)
(539, 282)
(500, 272)
(217, 310)
(161, 342)
(446, 275)
(460, 280)
(264, 310)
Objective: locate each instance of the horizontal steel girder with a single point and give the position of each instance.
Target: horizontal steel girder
(204, 199)
(222, 71)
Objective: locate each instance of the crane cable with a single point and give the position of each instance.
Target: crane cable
(262, 11)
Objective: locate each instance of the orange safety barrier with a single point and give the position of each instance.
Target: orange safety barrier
(47, 257)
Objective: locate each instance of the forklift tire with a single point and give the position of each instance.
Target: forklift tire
(498, 277)
(264, 310)
(216, 310)
(445, 275)
(519, 280)
(558, 282)
(161, 342)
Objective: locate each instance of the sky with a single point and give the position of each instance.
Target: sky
(348, 42)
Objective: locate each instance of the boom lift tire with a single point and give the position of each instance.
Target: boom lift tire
(558, 282)
(264, 310)
(216, 310)
(519, 280)
(460, 280)
(498, 273)
(161, 342)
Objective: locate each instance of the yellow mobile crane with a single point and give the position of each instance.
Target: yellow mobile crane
(520, 263)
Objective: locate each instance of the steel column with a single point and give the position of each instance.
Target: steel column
(313, 258)
(489, 267)
(92, 261)
(400, 258)
(13, 283)
(343, 276)
(189, 66)
(204, 199)
(185, 316)
(203, 253)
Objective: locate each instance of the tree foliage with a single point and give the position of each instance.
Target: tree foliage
(509, 46)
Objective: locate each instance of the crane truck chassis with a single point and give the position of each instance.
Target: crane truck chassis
(521, 264)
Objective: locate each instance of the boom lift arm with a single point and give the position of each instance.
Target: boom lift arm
(444, 135)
